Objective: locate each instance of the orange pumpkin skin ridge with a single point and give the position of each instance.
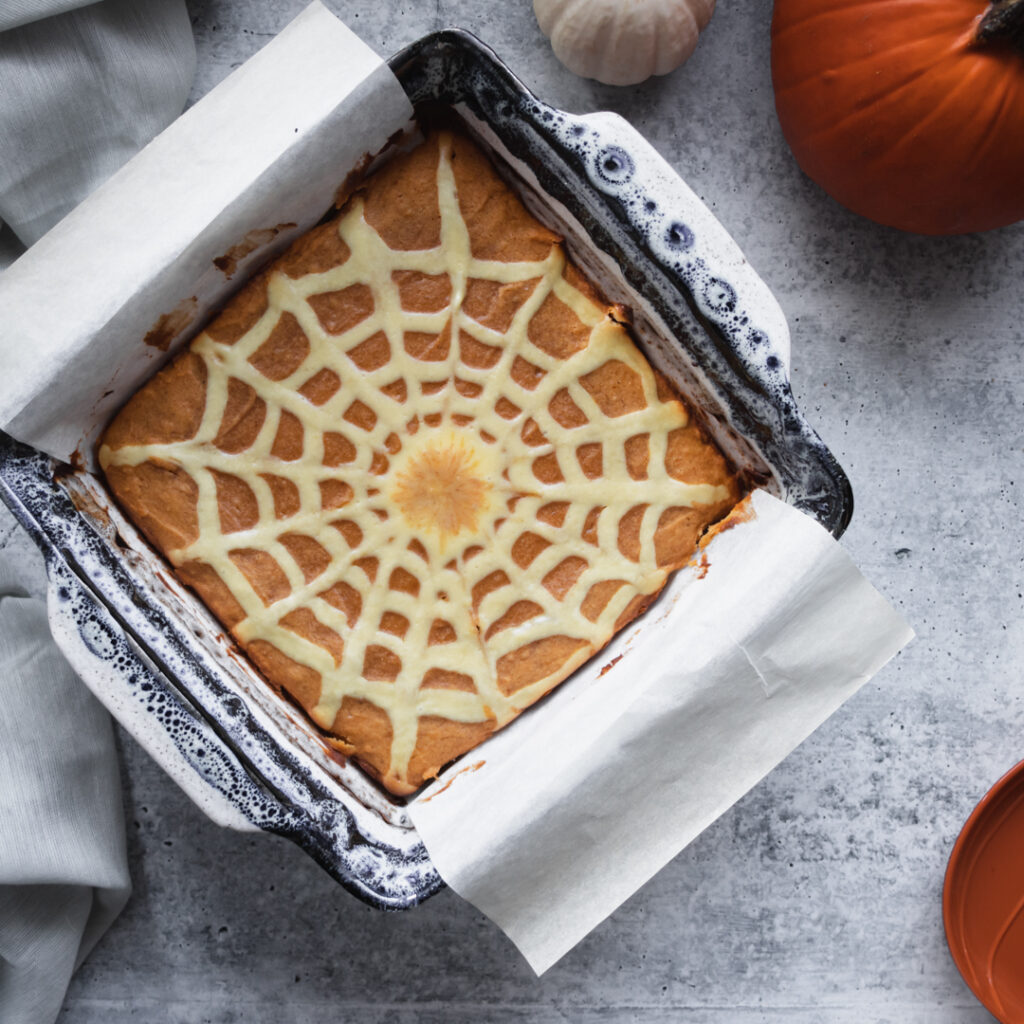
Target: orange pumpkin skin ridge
(896, 110)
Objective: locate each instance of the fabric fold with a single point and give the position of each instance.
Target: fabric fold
(63, 864)
(81, 93)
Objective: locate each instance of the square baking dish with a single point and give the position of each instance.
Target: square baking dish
(166, 669)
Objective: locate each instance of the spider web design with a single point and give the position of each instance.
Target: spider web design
(548, 471)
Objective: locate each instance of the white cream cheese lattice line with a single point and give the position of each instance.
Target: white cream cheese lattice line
(472, 497)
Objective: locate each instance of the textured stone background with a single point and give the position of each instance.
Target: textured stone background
(817, 898)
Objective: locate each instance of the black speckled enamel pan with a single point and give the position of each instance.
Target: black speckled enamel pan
(163, 665)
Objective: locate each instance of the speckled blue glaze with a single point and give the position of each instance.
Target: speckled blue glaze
(161, 682)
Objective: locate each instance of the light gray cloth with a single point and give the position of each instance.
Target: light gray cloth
(63, 867)
(20, 12)
(80, 93)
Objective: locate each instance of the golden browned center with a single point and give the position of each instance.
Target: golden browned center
(441, 488)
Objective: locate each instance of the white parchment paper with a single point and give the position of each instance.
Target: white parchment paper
(559, 818)
(581, 800)
(254, 163)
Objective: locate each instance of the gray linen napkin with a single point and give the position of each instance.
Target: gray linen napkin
(20, 12)
(63, 868)
(80, 93)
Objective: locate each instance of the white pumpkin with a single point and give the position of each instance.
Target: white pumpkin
(622, 42)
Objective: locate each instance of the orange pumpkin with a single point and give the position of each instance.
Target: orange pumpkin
(910, 112)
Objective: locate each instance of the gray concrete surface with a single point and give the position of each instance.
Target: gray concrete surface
(816, 898)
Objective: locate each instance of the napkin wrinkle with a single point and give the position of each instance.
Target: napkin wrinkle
(42, 941)
(61, 818)
(15, 13)
(80, 93)
(10, 589)
(63, 860)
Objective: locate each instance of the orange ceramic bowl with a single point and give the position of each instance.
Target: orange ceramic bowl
(983, 899)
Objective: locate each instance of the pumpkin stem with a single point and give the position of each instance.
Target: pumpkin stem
(1003, 21)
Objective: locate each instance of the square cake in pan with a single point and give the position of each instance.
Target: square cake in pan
(418, 467)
